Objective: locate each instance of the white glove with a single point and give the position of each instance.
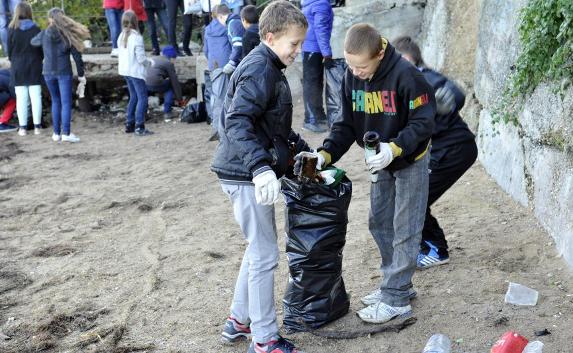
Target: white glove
(80, 91)
(298, 159)
(382, 159)
(267, 188)
(445, 100)
(228, 68)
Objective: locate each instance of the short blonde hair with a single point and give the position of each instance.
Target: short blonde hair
(363, 38)
(278, 16)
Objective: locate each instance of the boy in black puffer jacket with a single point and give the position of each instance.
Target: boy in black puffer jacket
(253, 152)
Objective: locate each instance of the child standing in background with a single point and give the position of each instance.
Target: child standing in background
(25, 67)
(250, 20)
(132, 65)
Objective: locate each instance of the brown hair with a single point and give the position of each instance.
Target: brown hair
(128, 22)
(406, 45)
(73, 32)
(363, 38)
(278, 16)
(221, 9)
(23, 11)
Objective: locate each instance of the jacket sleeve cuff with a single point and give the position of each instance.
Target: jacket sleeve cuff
(260, 168)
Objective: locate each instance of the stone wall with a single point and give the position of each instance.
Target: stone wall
(532, 160)
(391, 18)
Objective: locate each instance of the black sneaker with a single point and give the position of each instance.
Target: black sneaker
(234, 331)
(129, 129)
(279, 346)
(187, 52)
(143, 132)
(7, 128)
(155, 52)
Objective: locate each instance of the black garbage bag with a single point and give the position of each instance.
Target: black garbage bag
(207, 93)
(316, 220)
(194, 113)
(334, 76)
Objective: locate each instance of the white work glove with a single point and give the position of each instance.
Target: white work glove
(445, 100)
(298, 162)
(382, 159)
(80, 91)
(228, 68)
(267, 188)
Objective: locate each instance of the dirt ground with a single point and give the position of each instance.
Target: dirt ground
(125, 244)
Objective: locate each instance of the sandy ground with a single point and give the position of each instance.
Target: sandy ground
(124, 244)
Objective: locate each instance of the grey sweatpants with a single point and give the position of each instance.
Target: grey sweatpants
(254, 299)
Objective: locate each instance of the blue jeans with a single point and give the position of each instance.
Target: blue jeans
(60, 87)
(163, 20)
(168, 94)
(6, 10)
(398, 209)
(113, 17)
(137, 106)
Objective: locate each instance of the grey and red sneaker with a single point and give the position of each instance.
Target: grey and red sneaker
(281, 345)
(234, 331)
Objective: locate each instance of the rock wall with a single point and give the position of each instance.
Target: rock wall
(391, 18)
(532, 160)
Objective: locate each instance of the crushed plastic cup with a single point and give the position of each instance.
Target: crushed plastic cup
(519, 294)
(534, 347)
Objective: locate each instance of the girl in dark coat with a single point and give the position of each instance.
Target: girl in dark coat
(26, 67)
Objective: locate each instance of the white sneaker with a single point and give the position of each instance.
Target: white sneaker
(22, 132)
(376, 296)
(380, 312)
(372, 298)
(70, 138)
(37, 131)
(114, 53)
(56, 138)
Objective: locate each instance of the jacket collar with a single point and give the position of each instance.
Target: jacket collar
(271, 54)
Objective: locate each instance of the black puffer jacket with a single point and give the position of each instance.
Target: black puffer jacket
(256, 126)
(57, 53)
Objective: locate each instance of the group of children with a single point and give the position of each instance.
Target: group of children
(384, 90)
(44, 56)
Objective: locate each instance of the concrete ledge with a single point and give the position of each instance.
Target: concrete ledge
(103, 66)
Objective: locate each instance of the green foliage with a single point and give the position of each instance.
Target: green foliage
(546, 36)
